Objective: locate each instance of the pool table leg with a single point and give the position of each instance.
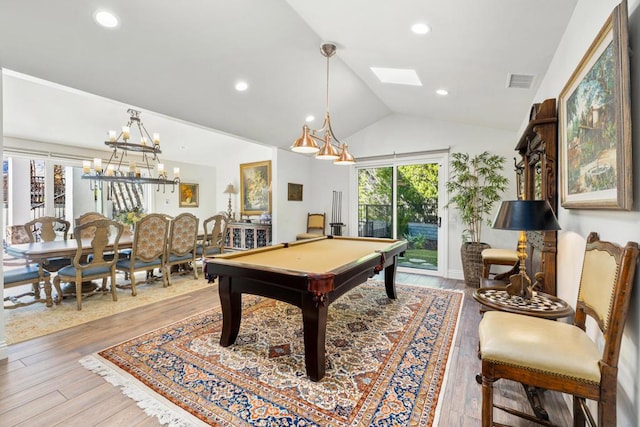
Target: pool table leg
(231, 303)
(314, 319)
(390, 278)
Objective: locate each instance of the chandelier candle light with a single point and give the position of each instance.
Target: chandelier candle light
(329, 150)
(149, 147)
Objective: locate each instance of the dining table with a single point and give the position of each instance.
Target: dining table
(42, 252)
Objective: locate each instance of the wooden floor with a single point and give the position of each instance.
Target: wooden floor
(42, 383)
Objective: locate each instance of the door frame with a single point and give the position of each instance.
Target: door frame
(439, 157)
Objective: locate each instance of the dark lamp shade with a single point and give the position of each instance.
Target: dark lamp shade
(526, 215)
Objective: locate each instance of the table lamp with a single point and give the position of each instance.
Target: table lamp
(229, 190)
(523, 216)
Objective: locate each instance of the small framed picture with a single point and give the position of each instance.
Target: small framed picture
(188, 195)
(294, 192)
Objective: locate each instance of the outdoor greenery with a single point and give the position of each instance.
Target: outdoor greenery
(475, 185)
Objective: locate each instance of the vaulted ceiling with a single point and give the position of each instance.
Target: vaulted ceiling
(182, 59)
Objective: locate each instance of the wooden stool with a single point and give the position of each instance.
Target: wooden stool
(493, 256)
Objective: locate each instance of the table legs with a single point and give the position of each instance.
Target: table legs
(231, 303)
(314, 319)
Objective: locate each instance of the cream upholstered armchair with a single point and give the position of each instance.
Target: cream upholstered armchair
(560, 356)
(315, 226)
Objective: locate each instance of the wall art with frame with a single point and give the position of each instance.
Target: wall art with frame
(255, 197)
(189, 197)
(595, 123)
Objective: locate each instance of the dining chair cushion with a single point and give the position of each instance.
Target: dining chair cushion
(543, 345)
(70, 271)
(138, 265)
(22, 274)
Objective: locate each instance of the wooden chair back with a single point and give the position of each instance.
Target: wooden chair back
(46, 229)
(101, 232)
(83, 219)
(215, 231)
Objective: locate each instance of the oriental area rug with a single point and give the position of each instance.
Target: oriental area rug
(386, 363)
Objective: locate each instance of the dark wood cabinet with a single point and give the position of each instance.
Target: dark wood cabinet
(537, 175)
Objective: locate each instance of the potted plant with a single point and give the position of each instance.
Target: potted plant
(475, 185)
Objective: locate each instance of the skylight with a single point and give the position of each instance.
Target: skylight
(397, 76)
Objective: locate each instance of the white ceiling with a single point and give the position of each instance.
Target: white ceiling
(182, 58)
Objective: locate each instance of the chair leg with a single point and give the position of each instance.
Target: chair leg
(195, 269)
(487, 402)
(114, 291)
(607, 410)
(79, 293)
(578, 415)
(166, 268)
(132, 275)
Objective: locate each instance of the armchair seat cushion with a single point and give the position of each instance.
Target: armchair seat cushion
(541, 345)
(23, 274)
(494, 255)
(303, 236)
(70, 271)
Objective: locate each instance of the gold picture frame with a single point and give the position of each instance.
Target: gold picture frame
(189, 195)
(255, 194)
(595, 123)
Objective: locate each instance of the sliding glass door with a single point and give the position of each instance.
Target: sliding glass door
(402, 199)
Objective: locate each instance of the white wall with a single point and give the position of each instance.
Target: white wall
(617, 226)
(3, 343)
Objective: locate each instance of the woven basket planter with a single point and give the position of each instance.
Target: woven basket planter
(471, 254)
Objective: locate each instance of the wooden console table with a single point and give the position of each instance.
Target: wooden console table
(247, 235)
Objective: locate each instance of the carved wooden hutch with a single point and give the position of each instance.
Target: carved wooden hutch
(536, 179)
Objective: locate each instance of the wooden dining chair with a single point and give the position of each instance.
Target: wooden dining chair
(48, 229)
(215, 231)
(149, 249)
(87, 217)
(559, 356)
(183, 239)
(98, 266)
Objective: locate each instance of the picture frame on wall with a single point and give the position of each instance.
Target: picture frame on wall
(189, 197)
(255, 194)
(294, 192)
(595, 123)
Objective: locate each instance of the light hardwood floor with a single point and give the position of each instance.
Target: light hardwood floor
(42, 383)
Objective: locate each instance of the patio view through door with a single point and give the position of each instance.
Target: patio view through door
(402, 200)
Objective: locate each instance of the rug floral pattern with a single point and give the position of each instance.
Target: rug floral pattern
(386, 361)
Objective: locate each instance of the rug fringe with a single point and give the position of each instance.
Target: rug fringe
(150, 404)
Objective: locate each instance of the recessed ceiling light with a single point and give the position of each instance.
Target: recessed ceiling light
(106, 19)
(397, 76)
(309, 118)
(242, 86)
(442, 92)
(420, 28)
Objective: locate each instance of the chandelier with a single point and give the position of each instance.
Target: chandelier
(332, 148)
(117, 170)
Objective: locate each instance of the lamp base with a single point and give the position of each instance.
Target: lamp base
(520, 285)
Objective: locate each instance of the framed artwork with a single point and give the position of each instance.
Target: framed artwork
(294, 192)
(189, 197)
(595, 123)
(255, 180)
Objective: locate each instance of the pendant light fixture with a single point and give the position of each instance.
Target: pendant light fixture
(332, 148)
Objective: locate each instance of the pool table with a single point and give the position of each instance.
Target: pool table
(310, 274)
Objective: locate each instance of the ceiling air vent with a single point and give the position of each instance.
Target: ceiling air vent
(520, 81)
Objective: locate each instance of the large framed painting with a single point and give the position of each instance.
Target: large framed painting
(595, 123)
(188, 195)
(255, 197)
